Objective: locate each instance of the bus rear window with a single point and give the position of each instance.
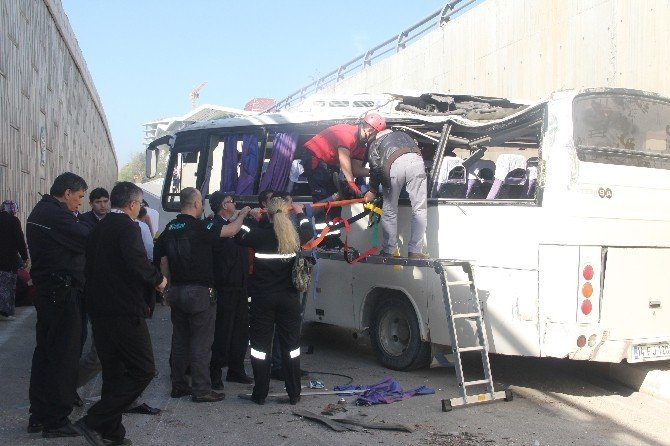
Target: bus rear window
(622, 122)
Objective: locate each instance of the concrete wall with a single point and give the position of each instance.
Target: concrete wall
(526, 49)
(51, 119)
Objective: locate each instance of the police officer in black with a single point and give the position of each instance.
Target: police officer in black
(231, 333)
(274, 299)
(184, 250)
(56, 240)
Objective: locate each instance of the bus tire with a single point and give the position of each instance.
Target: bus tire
(396, 337)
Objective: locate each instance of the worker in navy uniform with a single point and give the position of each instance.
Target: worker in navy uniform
(184, 250)
(118, 274)
(231, 332)
(274, 299)
(56, 240)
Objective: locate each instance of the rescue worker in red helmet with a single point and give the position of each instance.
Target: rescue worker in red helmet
(341, 146)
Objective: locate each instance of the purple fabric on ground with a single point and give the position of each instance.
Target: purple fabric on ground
(248, 166)
(386, 391)
(276, 177)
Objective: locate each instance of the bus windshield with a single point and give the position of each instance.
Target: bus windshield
(625, 123)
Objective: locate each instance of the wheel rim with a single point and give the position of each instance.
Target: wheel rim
(394, 333)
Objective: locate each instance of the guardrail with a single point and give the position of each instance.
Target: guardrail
(397, 43)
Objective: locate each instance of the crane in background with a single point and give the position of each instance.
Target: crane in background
(195, 94)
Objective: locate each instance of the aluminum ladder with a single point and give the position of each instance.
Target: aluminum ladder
(467, 398)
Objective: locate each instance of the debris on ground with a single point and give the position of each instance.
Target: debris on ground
(332, 409)
(351, 423)
(458, 439)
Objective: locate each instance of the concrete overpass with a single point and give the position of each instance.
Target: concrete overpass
(525, 49)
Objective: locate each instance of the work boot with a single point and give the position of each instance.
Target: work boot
(91, 436)
(64, 431)
(143, 409)
(34, 427)
(209, 397)
(113, 441)
(178, 392)
(236, 378)
(418, 255)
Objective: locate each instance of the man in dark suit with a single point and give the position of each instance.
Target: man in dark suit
(99, 201)
(231, 327)
(118, 274)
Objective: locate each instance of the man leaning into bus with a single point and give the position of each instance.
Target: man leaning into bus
(395, 162)
(339, 146)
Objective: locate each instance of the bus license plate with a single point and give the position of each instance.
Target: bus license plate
(650, 352)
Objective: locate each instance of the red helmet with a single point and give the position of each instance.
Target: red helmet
(375, 121)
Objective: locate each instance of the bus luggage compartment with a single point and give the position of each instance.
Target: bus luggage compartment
(635, 300)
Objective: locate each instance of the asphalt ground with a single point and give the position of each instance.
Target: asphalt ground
(556, 402)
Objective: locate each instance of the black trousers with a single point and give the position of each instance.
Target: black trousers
(127, 358)
(53, 376)
(283, 311)
(231, 333)
(193, 313)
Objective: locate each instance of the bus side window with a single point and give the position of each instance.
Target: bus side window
(184, 174)
(532, 176)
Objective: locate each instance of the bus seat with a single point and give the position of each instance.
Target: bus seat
(480, 179)
(532, 176)
(295, 174)
(510, 177)
(451, 182)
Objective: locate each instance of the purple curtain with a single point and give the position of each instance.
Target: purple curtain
(229, 168)
(276, 177)
(248, 166)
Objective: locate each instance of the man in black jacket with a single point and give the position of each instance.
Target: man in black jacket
(99, 201)
(56, 242)
(184, 250)
(231, 327)
(118, 274)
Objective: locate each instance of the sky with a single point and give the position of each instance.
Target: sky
(146, 56)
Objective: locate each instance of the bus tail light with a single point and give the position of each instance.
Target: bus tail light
(589, 291)
(587, 272)
(581, 341)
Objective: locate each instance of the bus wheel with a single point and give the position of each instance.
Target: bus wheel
(396, 337)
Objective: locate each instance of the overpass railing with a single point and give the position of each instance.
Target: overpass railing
(395, 44)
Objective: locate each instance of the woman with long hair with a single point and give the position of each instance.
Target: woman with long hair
(274, 299)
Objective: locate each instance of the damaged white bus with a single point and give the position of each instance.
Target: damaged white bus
(561, 207)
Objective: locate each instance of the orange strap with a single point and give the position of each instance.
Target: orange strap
(330, 204)
(315, 241)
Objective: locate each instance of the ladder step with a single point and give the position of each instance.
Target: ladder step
(471, 349)
(465, 315)
(460, 282)
(475, 383)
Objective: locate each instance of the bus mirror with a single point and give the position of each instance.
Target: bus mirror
(151, 166)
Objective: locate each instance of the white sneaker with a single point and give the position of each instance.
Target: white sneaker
(7, 318)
